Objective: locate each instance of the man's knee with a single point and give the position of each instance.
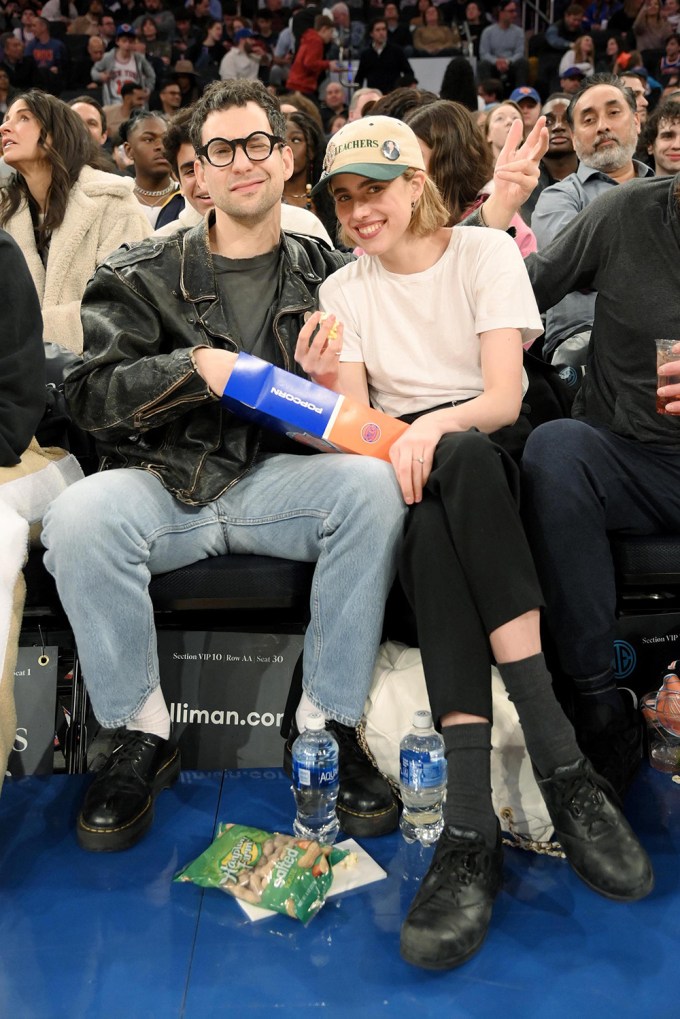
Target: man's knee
(371, 486)
(558, 448)
(80, 517)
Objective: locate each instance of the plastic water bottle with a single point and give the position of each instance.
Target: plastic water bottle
(315, 782)
(422, 779)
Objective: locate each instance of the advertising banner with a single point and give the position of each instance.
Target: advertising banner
(646, 645)
(226, 693)
(35, 695)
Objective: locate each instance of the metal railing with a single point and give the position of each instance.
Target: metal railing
(537, 15)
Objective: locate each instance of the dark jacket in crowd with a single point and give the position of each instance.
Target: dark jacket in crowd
(138, 391)
(22, 355)
(22, 74)
(382, 70)
(619, 387)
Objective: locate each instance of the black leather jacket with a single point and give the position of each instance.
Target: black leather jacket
(138, 391)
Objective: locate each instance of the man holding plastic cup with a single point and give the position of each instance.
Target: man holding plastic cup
(614, 467)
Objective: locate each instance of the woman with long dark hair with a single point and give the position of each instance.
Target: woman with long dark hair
(430, 322)
(65, 215)
(457, 158)
(308, 145)
(458, 83)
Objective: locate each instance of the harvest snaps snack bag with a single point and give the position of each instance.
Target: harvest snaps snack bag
(277, 872)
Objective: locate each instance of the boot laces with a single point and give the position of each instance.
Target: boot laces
(463, 862)
(132, 747)
(584, 800)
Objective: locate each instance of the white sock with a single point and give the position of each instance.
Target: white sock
(304, 709)
(154, 716)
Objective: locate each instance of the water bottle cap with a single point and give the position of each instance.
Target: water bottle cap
(422, 720)
(315, 722)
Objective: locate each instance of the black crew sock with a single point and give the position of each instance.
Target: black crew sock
(548, 733)
(468, 786)
(598, 701)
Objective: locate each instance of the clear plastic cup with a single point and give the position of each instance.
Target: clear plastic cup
(663, 745)
(664, 354)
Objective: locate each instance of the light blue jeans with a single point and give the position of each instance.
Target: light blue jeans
(107, 534)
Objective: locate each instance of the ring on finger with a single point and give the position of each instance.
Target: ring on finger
(419, 459)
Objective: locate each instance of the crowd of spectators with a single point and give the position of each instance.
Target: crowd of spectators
(171, 52)
(67, 48)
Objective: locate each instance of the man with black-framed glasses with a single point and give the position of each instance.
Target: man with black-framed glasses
(163, 323)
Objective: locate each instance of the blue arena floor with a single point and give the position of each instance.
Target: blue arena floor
(108, 936)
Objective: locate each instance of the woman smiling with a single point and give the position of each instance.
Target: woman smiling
(431, 321)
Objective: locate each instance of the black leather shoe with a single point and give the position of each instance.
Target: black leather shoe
(450, 915)
(615, 751)
(118, 807)
(366, 804)
(595, 836)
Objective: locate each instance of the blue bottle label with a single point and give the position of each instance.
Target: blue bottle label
(305, 777)
(419, 769)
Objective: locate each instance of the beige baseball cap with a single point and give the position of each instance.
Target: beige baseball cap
(381, 148)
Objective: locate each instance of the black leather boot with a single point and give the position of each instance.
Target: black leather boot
(366, 804)
(597, 840)
(118, 806)
(450, 915)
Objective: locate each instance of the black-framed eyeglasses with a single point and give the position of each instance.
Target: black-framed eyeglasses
(257, 146)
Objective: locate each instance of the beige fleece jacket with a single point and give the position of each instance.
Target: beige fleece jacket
(102, 214)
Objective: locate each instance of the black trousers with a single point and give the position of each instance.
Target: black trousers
(466, 568)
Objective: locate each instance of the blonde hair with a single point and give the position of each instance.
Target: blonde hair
(429, 214)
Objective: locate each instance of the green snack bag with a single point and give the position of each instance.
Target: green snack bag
(267, 869)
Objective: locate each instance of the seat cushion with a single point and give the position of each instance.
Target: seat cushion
(647, 560)
(235, 582)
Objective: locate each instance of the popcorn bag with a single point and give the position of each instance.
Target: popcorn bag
(308, 413)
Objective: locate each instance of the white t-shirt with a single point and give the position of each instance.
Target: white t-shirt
(418, 334)
(294, 219)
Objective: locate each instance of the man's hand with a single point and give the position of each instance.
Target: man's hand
(318, 357)
(671, 368)
(214, 366)
(517, 167)
(516, 174)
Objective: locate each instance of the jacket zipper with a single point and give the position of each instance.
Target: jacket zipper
(142, 416)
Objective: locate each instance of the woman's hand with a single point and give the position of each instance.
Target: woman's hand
(412, 456)
(318, 357)
(517, 171)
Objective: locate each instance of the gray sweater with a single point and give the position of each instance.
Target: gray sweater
(626, 246)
